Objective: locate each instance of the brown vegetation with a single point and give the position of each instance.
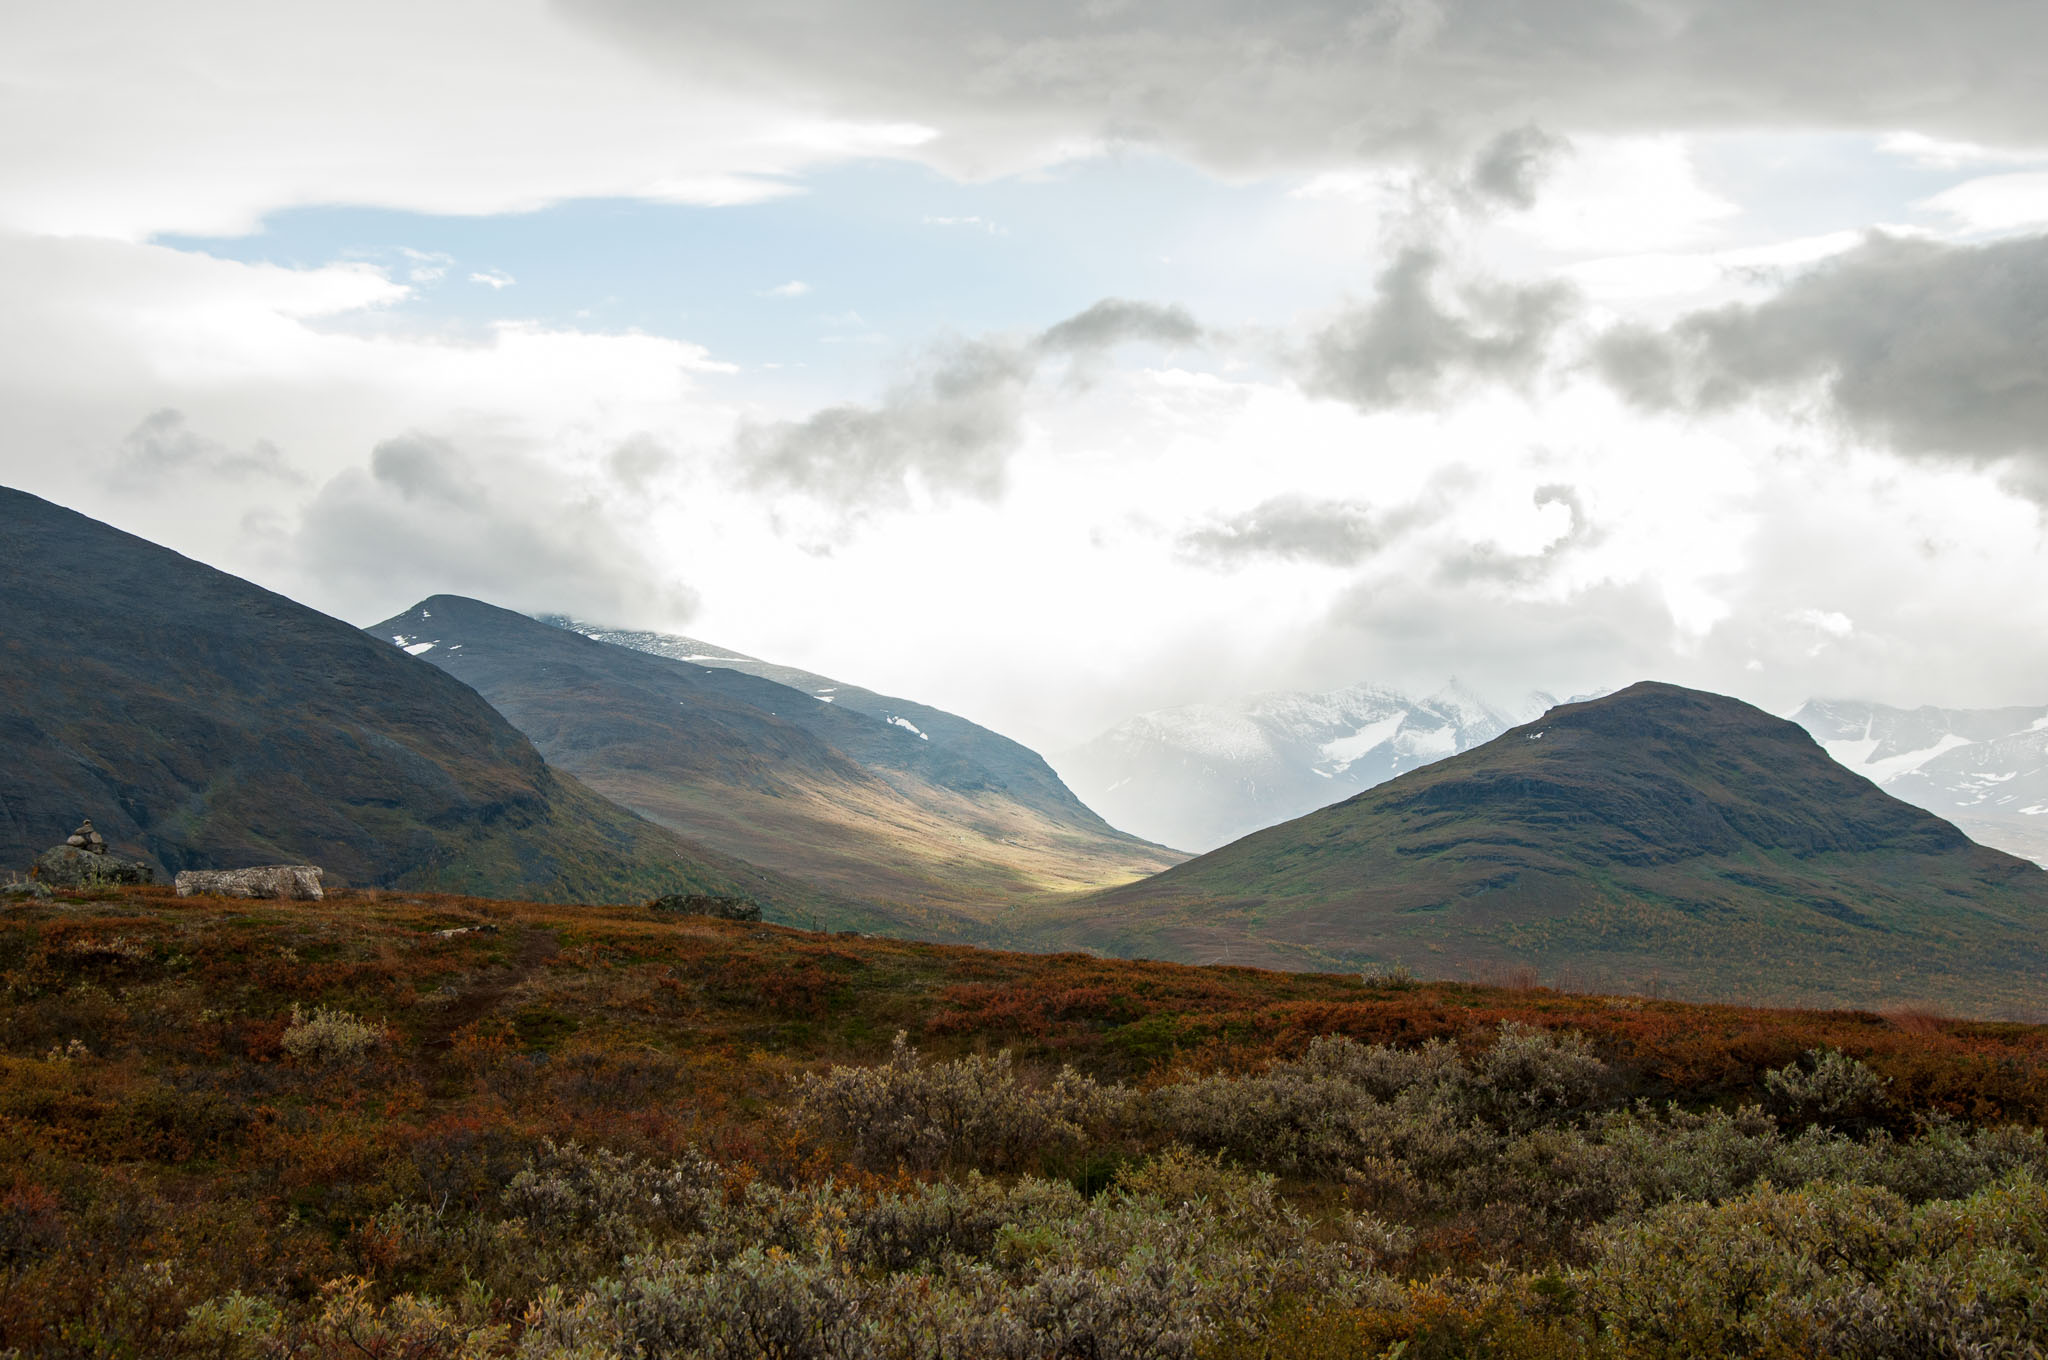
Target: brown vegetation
(432, 1126)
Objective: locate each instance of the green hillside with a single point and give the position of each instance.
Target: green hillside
(1657, 839)
(204, 722)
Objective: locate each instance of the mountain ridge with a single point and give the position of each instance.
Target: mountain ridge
(1657, 833)
(201, 720)
(863, 806)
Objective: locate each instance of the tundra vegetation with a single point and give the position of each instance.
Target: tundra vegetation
(367, 1127)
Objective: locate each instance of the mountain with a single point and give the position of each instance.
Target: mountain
(202, 721)
(886, 800)
(1657, 838)
(1201, 776)
(1985, 769)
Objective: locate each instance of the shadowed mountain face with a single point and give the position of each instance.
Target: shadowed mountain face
(1658, 837)
(865, 795)
(201, 721)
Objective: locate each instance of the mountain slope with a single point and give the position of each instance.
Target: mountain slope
(1985, 769)
(1204, 775)
(955, 753)
(203, 721)
(1656, 837)
(882, 807)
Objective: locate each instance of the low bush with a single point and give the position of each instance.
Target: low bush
(330, 1036)
(971, 1111)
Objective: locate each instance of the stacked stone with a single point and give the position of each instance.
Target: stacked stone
(83, 861)
(87, 839)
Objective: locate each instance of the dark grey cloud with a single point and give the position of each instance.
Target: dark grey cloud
(422, 468)
(953, 423)
(1251, 85)
(1933, 349)
(431, 515)
(163, 446)
(1116, 321)
(1298, 529)
(1511, 168)
(1416, 339)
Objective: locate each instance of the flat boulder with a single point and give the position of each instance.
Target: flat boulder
(292, 882)
(704, 904)
(68, 866)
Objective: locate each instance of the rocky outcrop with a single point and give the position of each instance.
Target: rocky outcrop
(84, 862)
(291, 882)
(702, 904)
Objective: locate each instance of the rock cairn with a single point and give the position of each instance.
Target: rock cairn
(83, 861)
(291, 882)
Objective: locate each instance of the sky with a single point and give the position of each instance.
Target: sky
(1051, 363)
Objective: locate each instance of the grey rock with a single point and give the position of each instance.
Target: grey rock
(67, 866)
(291, 882)
(704, 904)
(27, 890)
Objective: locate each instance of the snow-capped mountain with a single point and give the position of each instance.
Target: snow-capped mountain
(1202, 776)
(1985, 769)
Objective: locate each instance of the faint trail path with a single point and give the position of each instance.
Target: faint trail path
(481, 996)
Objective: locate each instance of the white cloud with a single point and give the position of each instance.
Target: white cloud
(795, 288)
(126, 119)
(1995, 202)
(1934, 153)
(1609, 195)
(494, 279)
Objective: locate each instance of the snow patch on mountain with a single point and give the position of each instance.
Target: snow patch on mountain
(1984, 769)
(1199, 776)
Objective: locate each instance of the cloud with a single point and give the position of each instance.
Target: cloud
(163, 446)
(494, 279)
(1488, 562)
(1409, 344)
(1295, 528)
(952, 425)
(1928, 348)
(428, 515)
(424, 469)
(795, 288)
(1118, 321)
(1248, 87)
(1510, 168)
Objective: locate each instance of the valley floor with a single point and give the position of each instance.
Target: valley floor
(401, 1125)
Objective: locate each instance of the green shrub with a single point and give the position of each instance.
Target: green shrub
(972, 1111)
(328, 1036)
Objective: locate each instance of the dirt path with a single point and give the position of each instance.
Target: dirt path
(533, 949)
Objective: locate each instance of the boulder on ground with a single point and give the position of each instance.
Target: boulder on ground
(23, 890)
(704, 904)
(293, 882)
(67, 866)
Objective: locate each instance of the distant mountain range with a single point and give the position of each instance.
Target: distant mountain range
(883, 799)
(1201, 776)
(203, 722)
(1655, 838)
(1985, 769)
